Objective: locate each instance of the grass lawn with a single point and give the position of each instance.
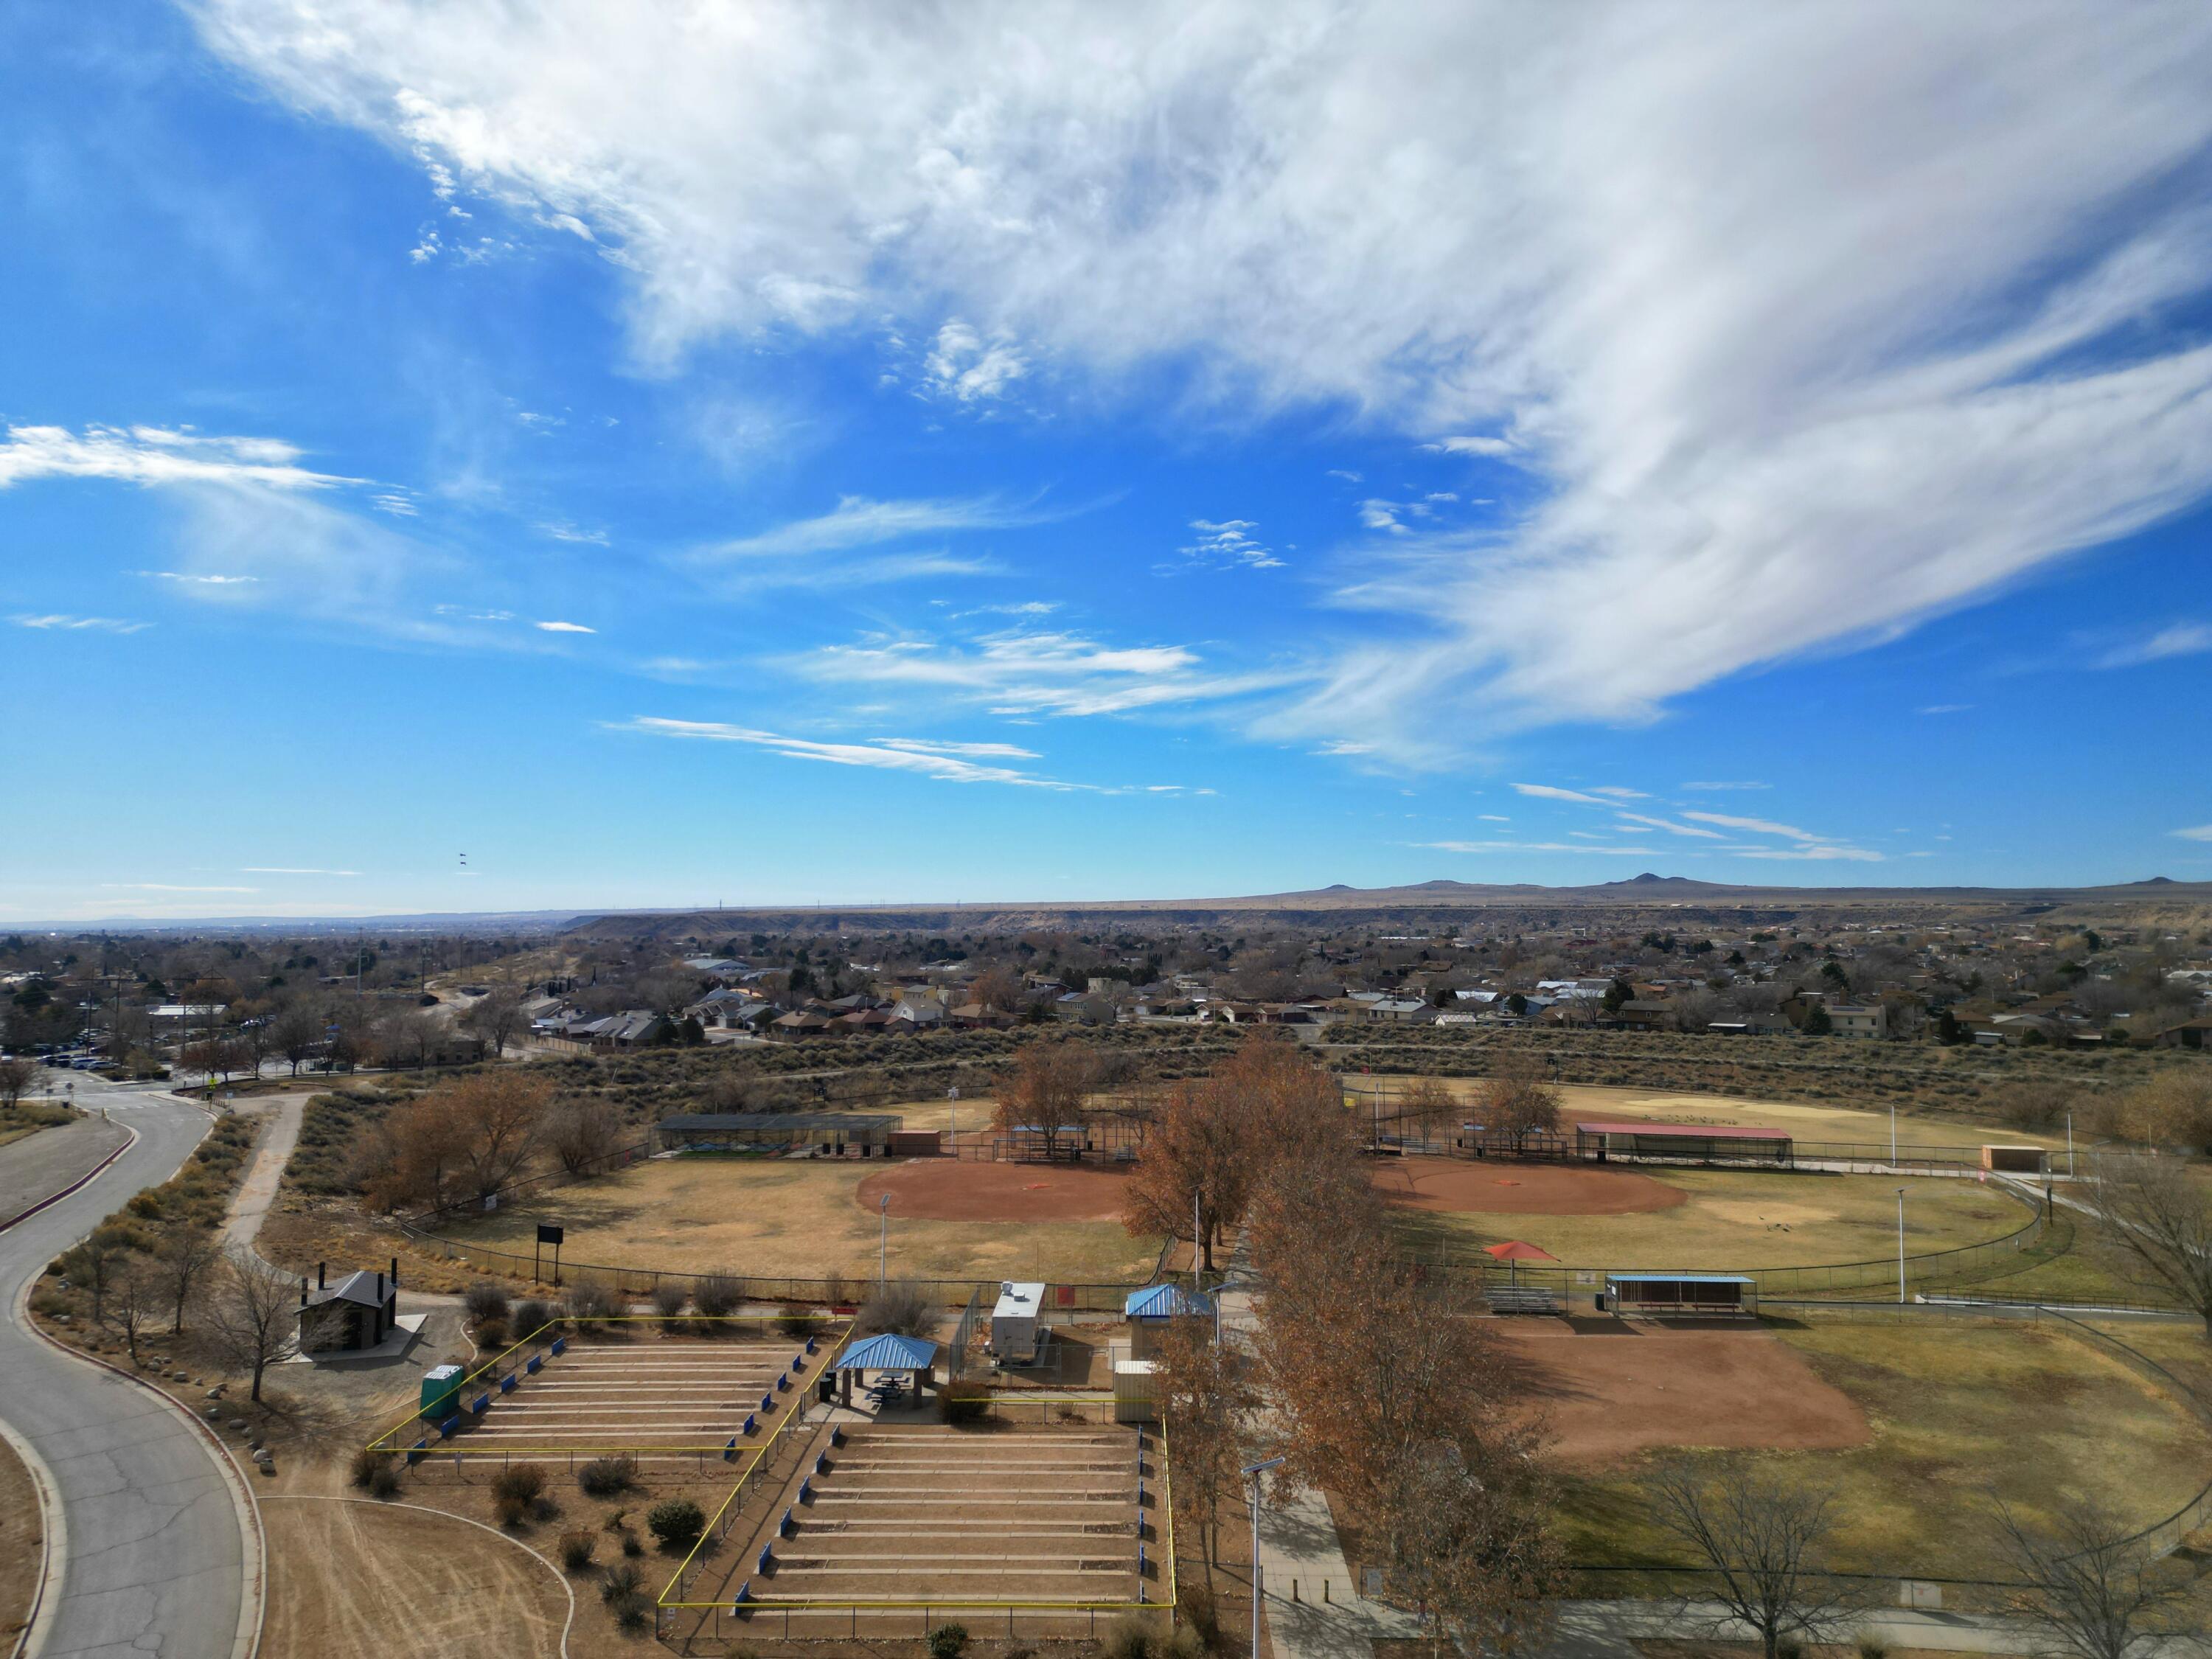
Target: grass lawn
(29, 1116)
(1959, 1411)
(796, 1218)
(1746, 1219)
(1811, 1123)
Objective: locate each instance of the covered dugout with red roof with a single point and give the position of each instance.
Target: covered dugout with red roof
(1698, 1143)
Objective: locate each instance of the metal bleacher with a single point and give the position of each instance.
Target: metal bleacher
(1521, 1299)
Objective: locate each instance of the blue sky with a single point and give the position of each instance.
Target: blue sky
(676, 454)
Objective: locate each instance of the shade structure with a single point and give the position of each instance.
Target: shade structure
(1515, 1252)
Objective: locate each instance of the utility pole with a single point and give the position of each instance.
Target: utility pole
(2069, 1146)
(1892, 1134)
(883, 1247)
(1253, 1472)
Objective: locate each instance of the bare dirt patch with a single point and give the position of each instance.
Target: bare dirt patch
(953, 1189)
(352, 1580)
(1487, 1188)
(20, 1556)
(1614, 1389)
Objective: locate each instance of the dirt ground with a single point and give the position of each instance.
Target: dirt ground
(19, 1544)
(1484, 1187)
(364, 1580)
(953, 1189)
(1613, 1389)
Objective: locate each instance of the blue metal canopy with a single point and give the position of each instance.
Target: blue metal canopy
(1166, 1302)
(888, 1352)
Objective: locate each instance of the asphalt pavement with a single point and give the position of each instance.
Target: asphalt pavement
(152, 1553)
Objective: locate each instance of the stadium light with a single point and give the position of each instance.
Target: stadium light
(1900, 1243)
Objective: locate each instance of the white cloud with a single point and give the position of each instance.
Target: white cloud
(1947, 708)
(968, 750)
(2200, 832)
(1018, 671)
(1537, 847)
(1726, 786)
(1825, 851)
(938, 760)
(1618, 793)
(153, 455)
(569, 532)
(1756, 826)
(1671, 827)
(287, 870)
(964, 365)
(399, 505)
(856, 521)
(2181, 639)
(1881, 350)
(200, 579)
(1492, 447)
(56, 623)
(169, 887)
(1230, 542)
(1349, 478)
(1548, 791)
(564, 627)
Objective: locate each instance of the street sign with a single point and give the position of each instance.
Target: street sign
(548, 1234)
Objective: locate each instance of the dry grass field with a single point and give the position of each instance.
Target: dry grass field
(20, 1552)
(1738, 1219)
(807, 1219)
(1958, 1412)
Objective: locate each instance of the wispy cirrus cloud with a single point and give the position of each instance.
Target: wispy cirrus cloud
(948, 762)
(55, 621)
(859, 521)
(154, 455)
(562, 628)
(1703, 788)
(2179, 640)
(1229, 542)
(1602, 849)
(2198, 832)
(290, 870)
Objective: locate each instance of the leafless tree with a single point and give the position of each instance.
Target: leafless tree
(1762, 1538)
(16, 1077)
(251, 1314)
(135, 1301)
(95, 1265)
(580, 1133)
(295, 1033)
(183, 1259)
(495, 1019)
(2154, 1212)
(2091, 1589)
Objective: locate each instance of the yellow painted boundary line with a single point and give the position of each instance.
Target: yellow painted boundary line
(831, 1331)
(792, 1604)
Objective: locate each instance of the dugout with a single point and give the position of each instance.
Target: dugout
(1697, 1143)
(1633, 1294)
(699, 1131)
(2015, 1160)
(1151, 1310)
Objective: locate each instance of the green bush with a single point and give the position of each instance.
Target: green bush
(948, 1641)
(623, 1579)
(608, 1477)
(675, 1521)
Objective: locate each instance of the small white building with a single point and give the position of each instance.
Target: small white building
(1017, 1322)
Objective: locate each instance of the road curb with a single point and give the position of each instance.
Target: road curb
(53, 1540)
(81, 1181)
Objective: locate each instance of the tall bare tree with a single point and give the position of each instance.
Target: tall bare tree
(1196, 1173)
(2094, 1589)
(1208, 1396)
(495, 1018)
(296, 1032)
(16, 1077)
(1519, 1097)
(251, 1314)
(183, 1258)
(135, 1301)
(1049, 1092)
(581, 1133)
(2154, 1212)
(1762, 1538)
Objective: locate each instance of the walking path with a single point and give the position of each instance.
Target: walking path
(153, 1556)
(259, 1190)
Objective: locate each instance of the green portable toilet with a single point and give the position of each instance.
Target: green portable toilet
(441, 1392)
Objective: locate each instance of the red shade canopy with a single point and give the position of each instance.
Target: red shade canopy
(1514, 1250)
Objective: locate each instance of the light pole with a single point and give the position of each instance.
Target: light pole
(1253, 1472)
(883, 1249)
(1901, 1244)
(1892, 1134)
(2069, 1146)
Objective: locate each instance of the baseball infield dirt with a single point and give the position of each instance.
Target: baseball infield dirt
(1488, 1188)
(953, 1189)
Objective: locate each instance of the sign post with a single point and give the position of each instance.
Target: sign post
(547, 1234)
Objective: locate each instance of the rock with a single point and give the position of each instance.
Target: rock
(238, 1425)
(61, 1319)
(216, 1394)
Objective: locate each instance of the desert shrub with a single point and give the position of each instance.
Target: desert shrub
(1871, 1644)
(964, 1401)
(385, 1482)
(577, 1548)
(592, 1298)
(516, 1490)
(530, 1313)
(608, 1477)
(633, 1612)
(1186, 1644)
(623, 1579)
(1128, 1638)
(1201, 1610)
(899, 1307)
(491, 1335)
(485, 1300)
(717, 1296)
(799, 1323)
(632, 1543)
(366, 1463)
(675, 1521)
(668, 1298)
(948, 1641)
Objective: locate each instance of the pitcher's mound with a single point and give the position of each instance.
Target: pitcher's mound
(1482, 1187)
(955, 1190)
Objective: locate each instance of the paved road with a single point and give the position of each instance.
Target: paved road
(154, 1557)
(40, 1165)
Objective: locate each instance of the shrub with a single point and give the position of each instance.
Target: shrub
(1128, 1638)
(623, 1579)
(521, 1483)
(577, 1549)
(1186, 1644)
(948, 1641)
(964, 1401)
(797, 1323)
(898, 1306)
(608, 1477)
(491, 1335)
(1201, 1610)
(592, 1298)
(366, 1463)
(633, 1612)
(1872, 1644)
(675, 1521)
(531, 1314)
(484, 1300)
(668, 1298)
(632, 1543)
(717, 1296)
(386, 1482)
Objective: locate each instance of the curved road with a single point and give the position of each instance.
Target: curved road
(154, 1556)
